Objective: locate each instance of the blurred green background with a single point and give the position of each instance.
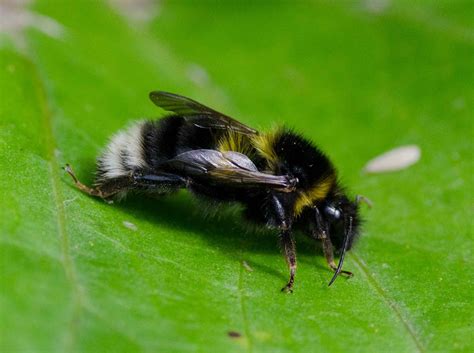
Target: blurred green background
(357, 77)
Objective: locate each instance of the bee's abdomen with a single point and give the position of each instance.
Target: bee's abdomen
(140, 147)
(124, 153)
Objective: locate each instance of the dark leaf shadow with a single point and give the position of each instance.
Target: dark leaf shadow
(226, 231)
(223, 228)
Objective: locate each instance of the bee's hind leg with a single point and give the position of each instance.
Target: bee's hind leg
(84, 188)
(158, 182)
(136, 181)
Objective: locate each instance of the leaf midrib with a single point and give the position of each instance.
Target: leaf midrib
(78, 297)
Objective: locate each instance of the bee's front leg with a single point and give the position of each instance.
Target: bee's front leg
(328, 250)
(321, 233)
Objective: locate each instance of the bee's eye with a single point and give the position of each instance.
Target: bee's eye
(333, 212)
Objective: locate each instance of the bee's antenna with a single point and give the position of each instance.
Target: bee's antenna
(344, 249)
(360, 198)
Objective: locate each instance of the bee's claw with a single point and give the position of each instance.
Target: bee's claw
(81, 186)
(348, 274)
(288, 288)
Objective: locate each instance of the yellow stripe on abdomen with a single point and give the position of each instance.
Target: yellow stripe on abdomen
(236, 142)
(314, 194)
(265, 146)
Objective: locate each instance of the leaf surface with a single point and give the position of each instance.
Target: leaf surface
(79, 275)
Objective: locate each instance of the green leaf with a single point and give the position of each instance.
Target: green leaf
(79, 275)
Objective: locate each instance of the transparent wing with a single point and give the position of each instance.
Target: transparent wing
(228, 168)
(198, 114)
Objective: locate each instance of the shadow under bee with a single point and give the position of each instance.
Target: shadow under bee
(222, 228)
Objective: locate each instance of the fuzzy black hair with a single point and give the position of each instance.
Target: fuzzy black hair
(299, 157)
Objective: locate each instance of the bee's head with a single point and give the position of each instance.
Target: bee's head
(338, 212)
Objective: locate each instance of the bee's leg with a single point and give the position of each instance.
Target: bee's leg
(321, 233)
(158, 181)
(106, 189)
(84, 188)
(134, 181)
(319, 229)
(328, 250)
(145, 182)
(359, 199)
(287, 243)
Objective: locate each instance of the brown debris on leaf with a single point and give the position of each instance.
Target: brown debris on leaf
(234, 334)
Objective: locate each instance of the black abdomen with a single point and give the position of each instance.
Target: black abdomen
(146, 144)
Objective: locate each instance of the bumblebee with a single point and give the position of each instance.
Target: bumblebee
(282, 180)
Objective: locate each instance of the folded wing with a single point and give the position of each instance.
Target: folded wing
(197, 113)
(225, 168)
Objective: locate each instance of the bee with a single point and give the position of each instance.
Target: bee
(282, 180)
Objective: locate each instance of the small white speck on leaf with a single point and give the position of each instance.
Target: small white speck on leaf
(130, 225)
(247, 266)
(198, 74)
(68, 201)
(396, 159)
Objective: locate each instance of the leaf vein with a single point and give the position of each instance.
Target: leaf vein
(58, 199)
(389, 302)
